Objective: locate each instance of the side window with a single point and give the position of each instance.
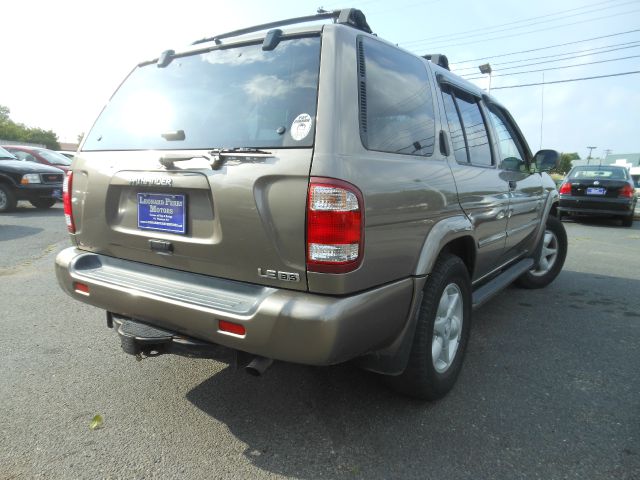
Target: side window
(475, 130)
(396, 106)
(511, 157)
(455, 128)
(467, 128)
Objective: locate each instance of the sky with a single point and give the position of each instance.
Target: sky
(62, 60)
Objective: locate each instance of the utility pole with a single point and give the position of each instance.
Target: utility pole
(541, 111)
(589, 157)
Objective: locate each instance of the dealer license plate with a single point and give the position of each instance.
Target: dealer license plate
(595, 191)
(161, 212)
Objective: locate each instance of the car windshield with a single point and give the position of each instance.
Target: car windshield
(54, 158)
(224, 98)
(4, 155)
(601, 173)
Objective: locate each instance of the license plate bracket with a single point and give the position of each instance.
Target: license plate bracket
(162, 212)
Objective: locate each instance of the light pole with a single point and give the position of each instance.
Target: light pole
(589, 157)
(486, 70)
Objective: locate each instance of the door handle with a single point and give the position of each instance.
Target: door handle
(512, 184)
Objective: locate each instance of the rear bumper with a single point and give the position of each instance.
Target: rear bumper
(595, 206)
(281, 324)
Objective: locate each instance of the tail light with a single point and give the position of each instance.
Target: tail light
(626, 191)
(67, 189)
(565, 188)
(334, 226)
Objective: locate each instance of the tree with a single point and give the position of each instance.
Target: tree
(4, 114)
(10, 130)
(564, 165)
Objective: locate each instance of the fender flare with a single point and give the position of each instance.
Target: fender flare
(551, 199)
(441, 234)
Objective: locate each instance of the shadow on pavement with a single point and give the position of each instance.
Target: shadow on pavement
(542, 366)
(605, 222)
(13, 232)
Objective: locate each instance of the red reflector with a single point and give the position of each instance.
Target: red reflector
(81, 288)
(231, 327)
(67, 190)
(565, 188)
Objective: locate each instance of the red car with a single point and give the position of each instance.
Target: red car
(40, 155)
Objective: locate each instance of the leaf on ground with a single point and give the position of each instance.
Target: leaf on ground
(96, 423)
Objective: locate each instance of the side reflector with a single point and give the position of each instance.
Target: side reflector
(230, 327)
(81, 288)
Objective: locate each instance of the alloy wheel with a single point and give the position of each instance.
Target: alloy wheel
(548, 255)
(447, 328)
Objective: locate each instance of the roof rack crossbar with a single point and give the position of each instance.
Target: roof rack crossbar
(349, 16)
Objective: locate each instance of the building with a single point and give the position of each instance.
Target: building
(70, 147)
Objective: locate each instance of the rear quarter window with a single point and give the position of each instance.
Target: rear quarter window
(396, 105)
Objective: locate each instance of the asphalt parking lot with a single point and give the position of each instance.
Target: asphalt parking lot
(550, 388)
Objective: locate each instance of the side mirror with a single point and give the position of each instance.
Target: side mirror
(546, 160)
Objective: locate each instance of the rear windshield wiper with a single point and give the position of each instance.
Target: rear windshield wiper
(218, 156)
(225, 151)
(221, 155)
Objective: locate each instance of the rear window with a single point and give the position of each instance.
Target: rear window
(54, 158)
(602, 173)
(226, 98)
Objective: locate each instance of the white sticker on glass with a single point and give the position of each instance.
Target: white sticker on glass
(301, 127)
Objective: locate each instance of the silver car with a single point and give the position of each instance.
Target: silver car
(305, 191)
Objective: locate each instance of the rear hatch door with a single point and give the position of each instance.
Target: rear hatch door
(151, 185)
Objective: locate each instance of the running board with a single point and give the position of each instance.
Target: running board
(502, 281)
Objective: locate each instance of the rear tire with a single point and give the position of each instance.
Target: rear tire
(7, 199)
(627, 221)
(442, 333)
(552, 256)
(43, 203)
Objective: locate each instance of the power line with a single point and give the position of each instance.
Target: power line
(547, 47)
(557, 68)
(558, 60)
(568, 80)
(633, 44)
(404, 7)
(496, 29)
(442, 44)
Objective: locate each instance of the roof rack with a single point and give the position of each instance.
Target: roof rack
(438, 59)
(347, 16)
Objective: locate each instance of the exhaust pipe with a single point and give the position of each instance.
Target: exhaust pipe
(258, 366)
